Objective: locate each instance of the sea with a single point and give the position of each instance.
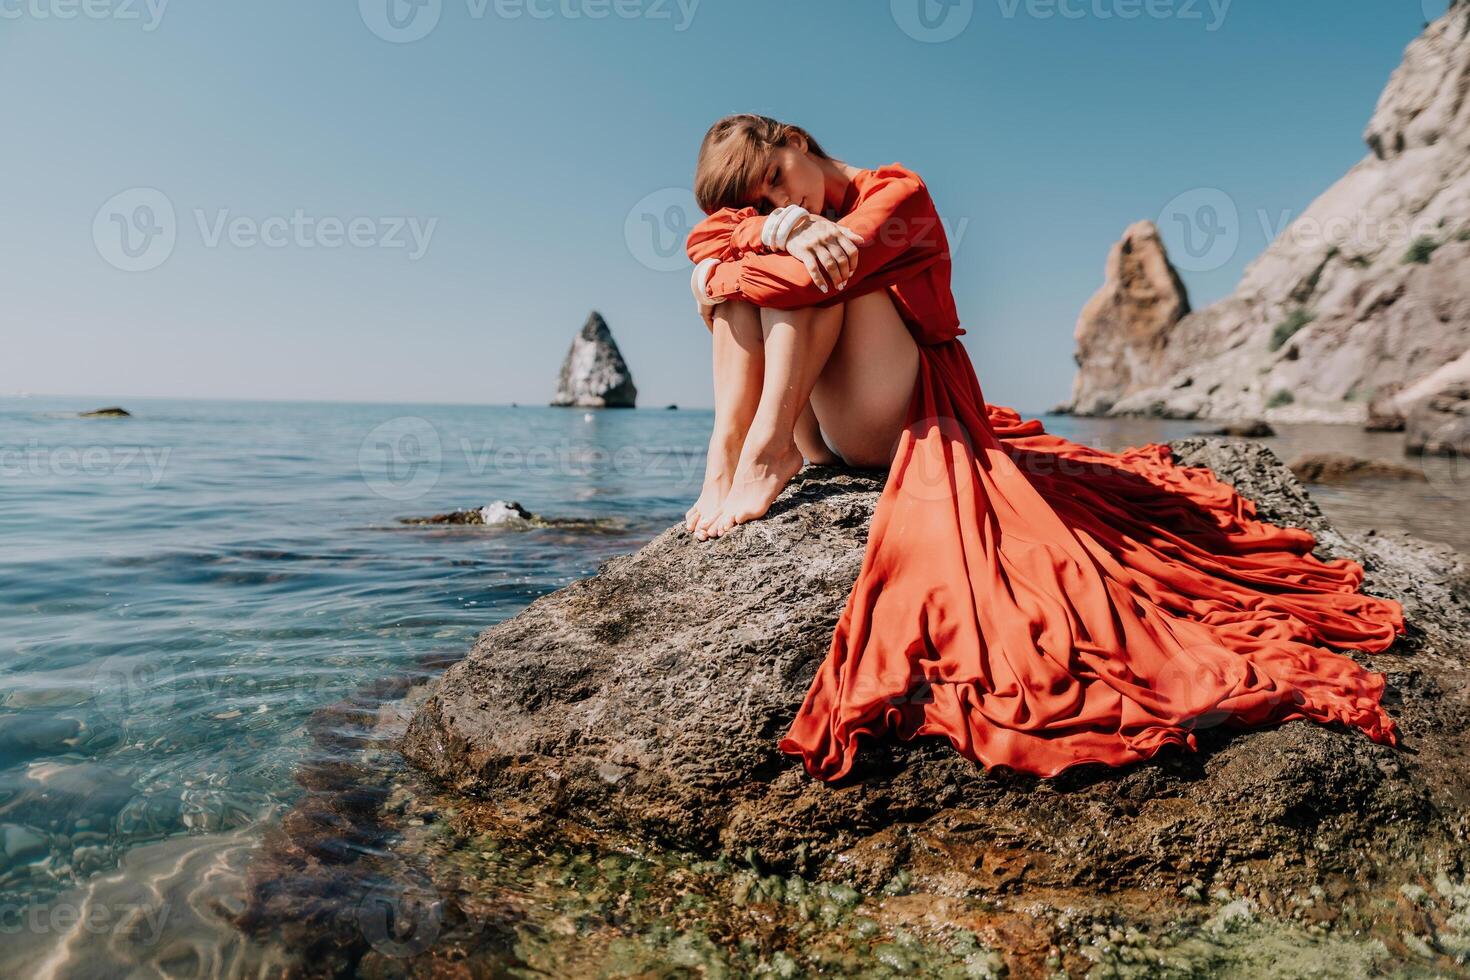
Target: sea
(181, 589)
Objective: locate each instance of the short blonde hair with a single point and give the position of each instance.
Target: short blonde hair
(732, 158)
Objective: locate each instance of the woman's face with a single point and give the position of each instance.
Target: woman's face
(792, 176)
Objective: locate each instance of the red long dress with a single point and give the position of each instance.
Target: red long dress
(1039, 602)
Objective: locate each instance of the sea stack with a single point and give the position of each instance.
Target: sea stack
(1122, 330)
(594, 374)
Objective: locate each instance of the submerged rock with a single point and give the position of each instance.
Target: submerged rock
(497, 512)
(594, 374)
(1257, 429)
(511, 515)
(1345, 468)
(648, 699)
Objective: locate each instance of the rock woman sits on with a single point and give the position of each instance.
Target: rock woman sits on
(1038, 602)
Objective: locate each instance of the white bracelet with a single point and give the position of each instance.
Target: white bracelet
(777, 229)
(789, 220)
(769, 228)
(699, 282)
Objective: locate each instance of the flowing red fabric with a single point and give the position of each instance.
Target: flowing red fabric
(1039, 602)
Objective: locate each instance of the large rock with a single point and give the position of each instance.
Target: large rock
(594, 374)
(1122, 330)
(1440, 425)
(1368, 289)
(648, 699)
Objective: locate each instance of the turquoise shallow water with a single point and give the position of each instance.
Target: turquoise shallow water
(181, 589)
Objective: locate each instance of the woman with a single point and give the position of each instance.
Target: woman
(1038, 602)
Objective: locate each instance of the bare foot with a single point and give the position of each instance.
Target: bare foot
(707, 507)
(761, 476)
(724, 458)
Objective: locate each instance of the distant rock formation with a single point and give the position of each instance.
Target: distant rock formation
(1362, 299)
(594, 374)
(1123, 328)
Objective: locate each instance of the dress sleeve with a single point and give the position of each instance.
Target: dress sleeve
(894, 214)
(728, 234)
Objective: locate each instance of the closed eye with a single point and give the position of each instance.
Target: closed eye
(773, 182)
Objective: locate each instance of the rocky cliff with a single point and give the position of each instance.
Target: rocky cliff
(594, 374)
(648, 699)
(1364, 298)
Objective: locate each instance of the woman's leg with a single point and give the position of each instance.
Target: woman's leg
(810, 441)
(797, 344)
(862, 395)
(739, 366)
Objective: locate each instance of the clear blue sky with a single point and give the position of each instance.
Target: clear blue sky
(523, 139)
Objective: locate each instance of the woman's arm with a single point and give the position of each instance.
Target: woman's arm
(728, 234)
(895, 216)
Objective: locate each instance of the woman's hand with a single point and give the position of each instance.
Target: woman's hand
(698, 280)
(827, 249)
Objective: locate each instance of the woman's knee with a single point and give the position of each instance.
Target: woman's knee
(737, 309)
(875, 303)
(834, 314)
(738, 320)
